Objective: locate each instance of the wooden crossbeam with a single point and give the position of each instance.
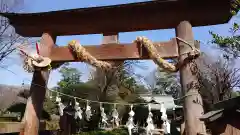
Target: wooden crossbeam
(96, 20)
(113, 51)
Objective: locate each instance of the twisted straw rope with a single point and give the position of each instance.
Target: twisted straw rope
(159, 60)
(28, 65)
(155, 55)
(85, 56)
(81, 54)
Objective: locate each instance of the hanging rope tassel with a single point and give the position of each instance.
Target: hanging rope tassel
(32, 60)
(85, 56)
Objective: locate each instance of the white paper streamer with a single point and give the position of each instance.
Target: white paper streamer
(88, 112)
(163, 111)
(115, 115)
(104, 119)
(78, 113)
(150, 126)
(166, 124)
(61, 106)
(130, 123)
(58, 99)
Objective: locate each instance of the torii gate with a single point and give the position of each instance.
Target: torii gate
(110, 20)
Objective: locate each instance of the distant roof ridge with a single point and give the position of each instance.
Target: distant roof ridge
(150, 94)
(13, 85)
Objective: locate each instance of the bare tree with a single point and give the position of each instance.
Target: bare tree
(161, 82)
(8, 37)
(217, 80)
(109, 82)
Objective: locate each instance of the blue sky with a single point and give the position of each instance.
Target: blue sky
(14, 64)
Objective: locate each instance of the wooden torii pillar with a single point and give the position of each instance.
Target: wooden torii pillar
(192, 110)
(38, 89)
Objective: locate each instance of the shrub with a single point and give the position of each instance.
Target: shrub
(113, 132)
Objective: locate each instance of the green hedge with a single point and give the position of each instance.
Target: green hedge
(113, 132)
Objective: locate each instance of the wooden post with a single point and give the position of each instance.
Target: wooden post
(111, 75)
(192, 110)
(38, 87)
(102, 81)
(107, 38)
(182, 128)
(111, 78)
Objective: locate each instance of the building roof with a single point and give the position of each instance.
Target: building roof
(156, 100)
(231, 103)
(155, 14)
(222, 107)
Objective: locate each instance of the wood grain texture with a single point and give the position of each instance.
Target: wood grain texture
(192, 111)
(117, 52)
(38, 88)
(150, 15)
(15, 127)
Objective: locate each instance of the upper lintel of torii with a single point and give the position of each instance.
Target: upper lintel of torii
(150, 15)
